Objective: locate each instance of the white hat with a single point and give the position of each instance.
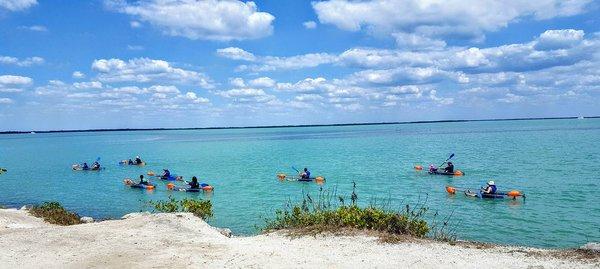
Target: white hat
(491, 182)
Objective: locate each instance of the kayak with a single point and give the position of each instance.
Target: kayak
(478, 194)
(2, 170)
(319, 179)
(126, 162)
(456, 173)
(130, 183)
(78, 167)
(171, 178)
(203, 187)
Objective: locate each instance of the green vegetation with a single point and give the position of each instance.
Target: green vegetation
(324, 216)
(200, 208)
(53, 212)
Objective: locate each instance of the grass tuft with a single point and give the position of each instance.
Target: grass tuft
(321, 215)
(200, 208)
(55, 213)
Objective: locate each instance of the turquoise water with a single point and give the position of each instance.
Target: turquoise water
(553, 161)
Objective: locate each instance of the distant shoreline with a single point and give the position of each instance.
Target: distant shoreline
(282, 126)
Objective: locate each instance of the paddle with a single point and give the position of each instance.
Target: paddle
(451, 155)
(296, 170)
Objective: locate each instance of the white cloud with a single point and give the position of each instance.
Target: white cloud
(236, 54)
(306, 85)
(21, 62)
(208, 19)
(559, 39)
(435, 18)
(191, 96)
(310, 24)
(88, 85)
(6, 101)
(511, 98)
(144, 70)
(17, 5)
(308, 97)
(237, 82)
(35, 28)
(247, 95)
(15, 80)
(78, 74)
(164, 89)
(262, 82)
(417, 42)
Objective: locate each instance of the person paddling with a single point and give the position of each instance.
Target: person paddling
(194, 183)
(490, 188)
(305, 174)
(166, 174)
(84, 166)
(143, 181)
(96, 166)
(449, 168)
(138, 160)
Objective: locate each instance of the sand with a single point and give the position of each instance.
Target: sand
(184, 241)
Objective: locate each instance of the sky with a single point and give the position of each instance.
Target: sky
(186, 63)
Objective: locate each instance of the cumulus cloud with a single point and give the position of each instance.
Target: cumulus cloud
(309, 24)
(559, 39)
(262, 82)
(78, 75)
(21, 62)
(88, 85)
(435, 18)
(12, 83)
(17, 5)
(208, 19)
(144, 70)
(247, 95)
(274, 63)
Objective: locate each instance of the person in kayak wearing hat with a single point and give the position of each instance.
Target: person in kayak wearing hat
(305, 174)
(449, 168)
(138, 160)
(490, 188)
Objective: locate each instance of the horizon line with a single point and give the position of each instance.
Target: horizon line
(284, 126)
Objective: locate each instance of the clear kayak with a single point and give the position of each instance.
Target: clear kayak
(513, 194)
(132, 184)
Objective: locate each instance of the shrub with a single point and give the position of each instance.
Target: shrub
(200, 208)
(321, 215)
(55, 213)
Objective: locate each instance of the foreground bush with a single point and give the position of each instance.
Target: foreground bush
(321, 216)
(53, 212)
(200, 208)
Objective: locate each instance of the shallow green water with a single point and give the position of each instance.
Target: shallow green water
(555, 162)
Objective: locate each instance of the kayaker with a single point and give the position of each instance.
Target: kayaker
(449, 168)
(96, 166)
(138, 160)
(490, 188)
(129, 162)
(85, 166)
(166, 174)
(143, 181)
(194, 183)
(432, 168)
(305, 174)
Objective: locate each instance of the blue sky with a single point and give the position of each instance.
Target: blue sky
(184, 63)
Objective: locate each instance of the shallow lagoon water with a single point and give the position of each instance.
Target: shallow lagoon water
(553, 161)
